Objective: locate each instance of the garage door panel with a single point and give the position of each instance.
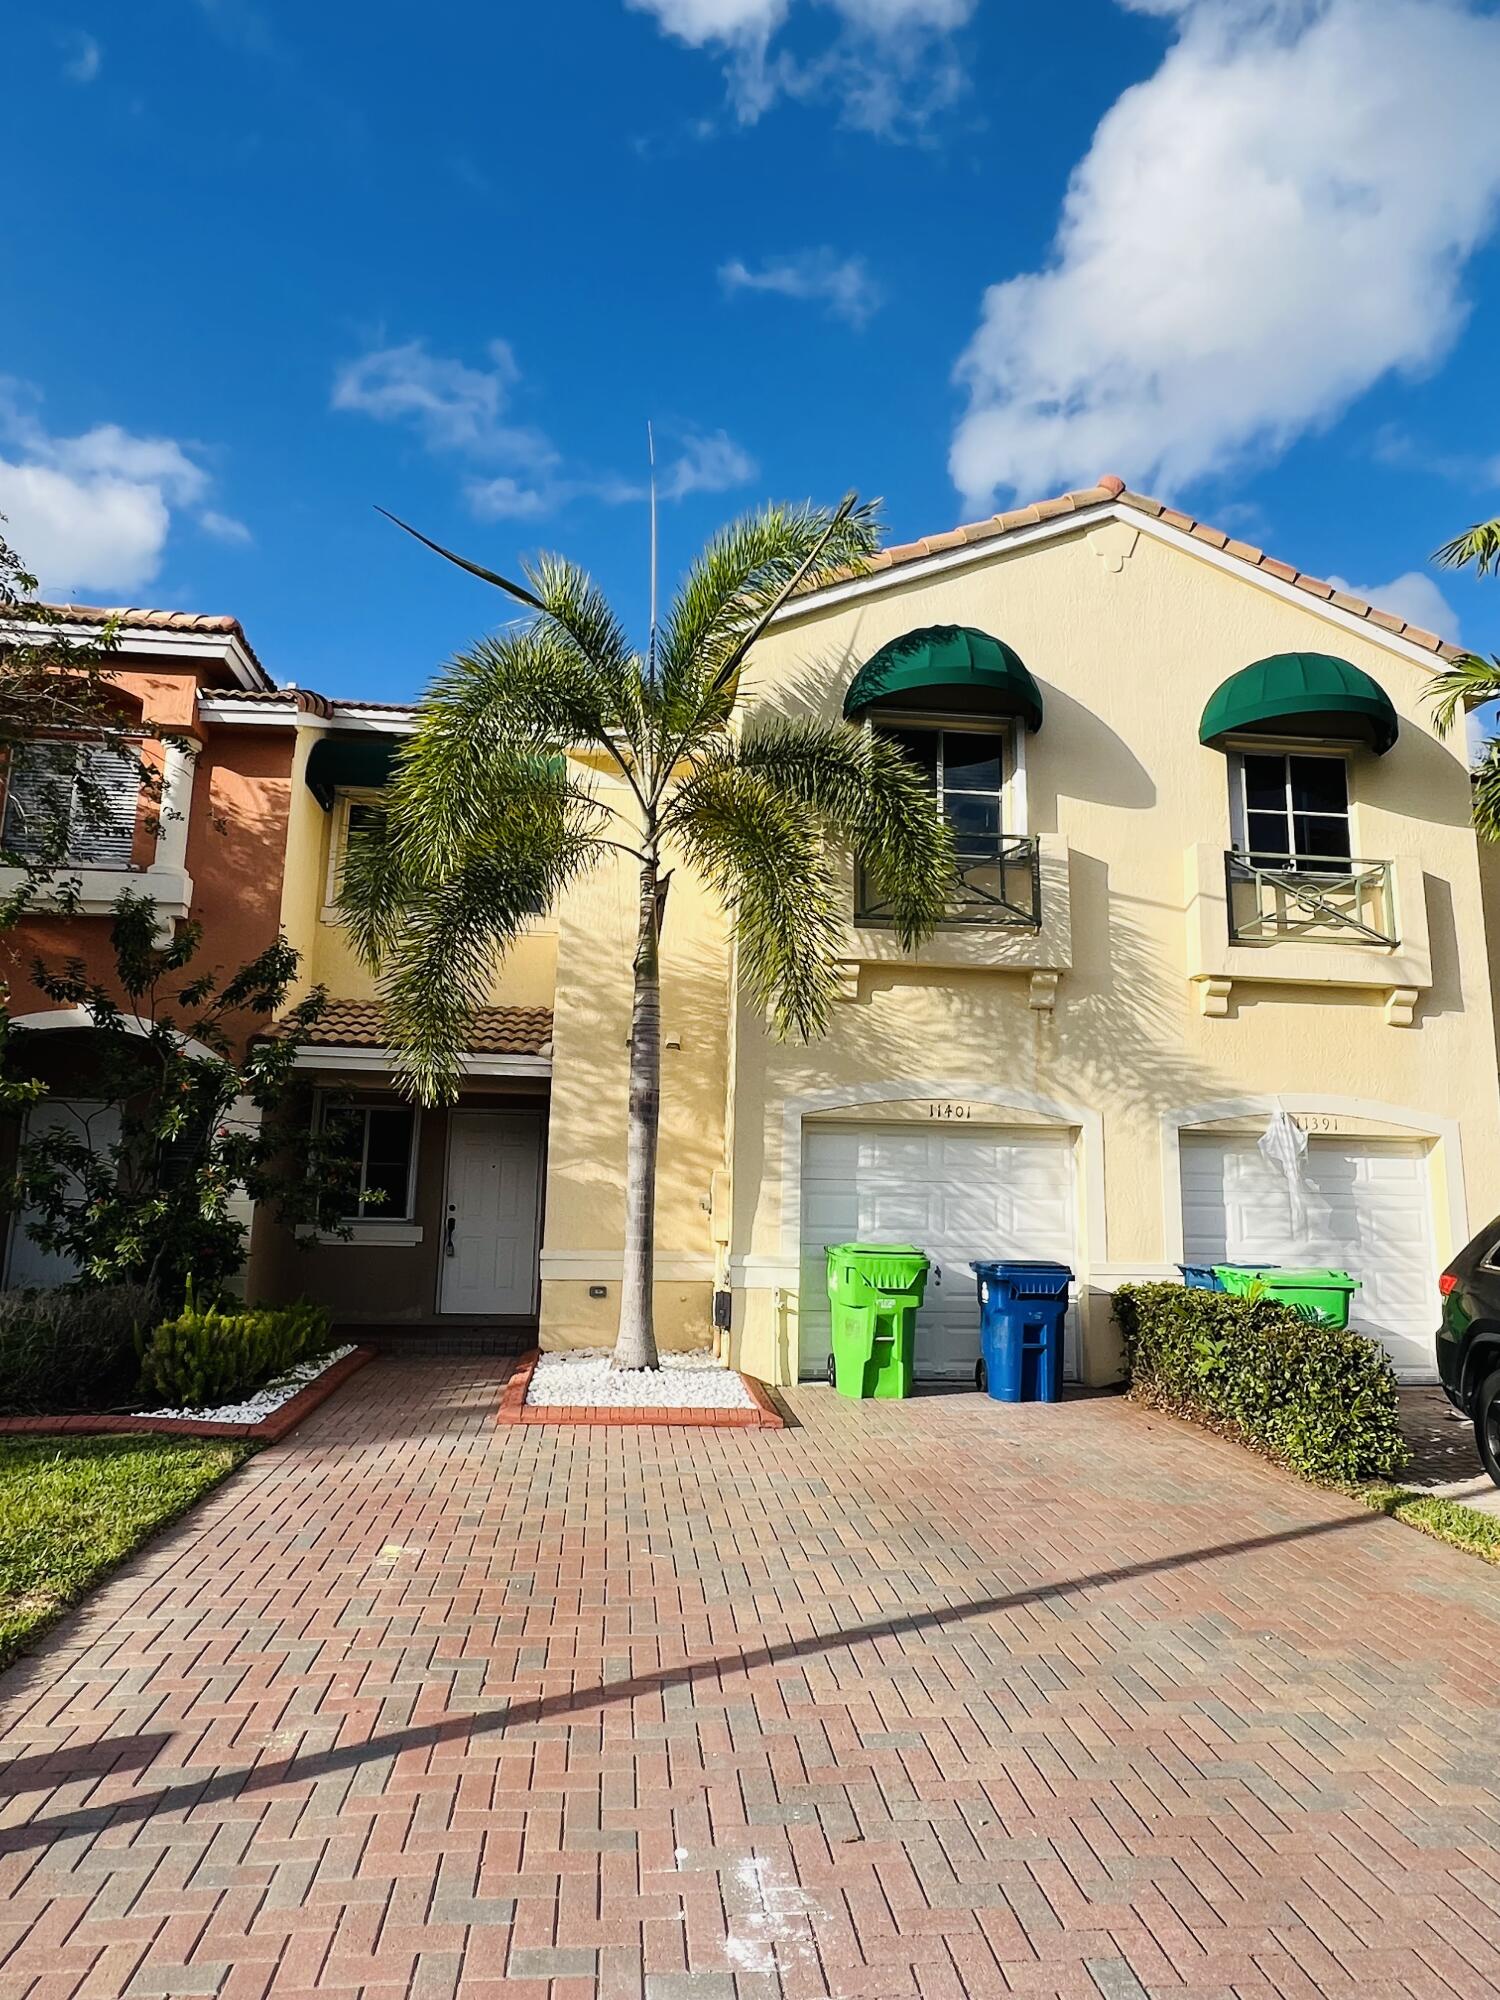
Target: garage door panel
(1368, 1212)
(894, 1218)
(957, 1195)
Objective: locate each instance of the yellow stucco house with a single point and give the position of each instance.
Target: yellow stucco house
(1215, 862)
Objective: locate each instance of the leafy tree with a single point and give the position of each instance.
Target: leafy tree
(1470, 680)
(487, 819)
(143, 1191)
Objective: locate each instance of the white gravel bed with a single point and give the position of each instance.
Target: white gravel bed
(265, 1402)
(585, 1380)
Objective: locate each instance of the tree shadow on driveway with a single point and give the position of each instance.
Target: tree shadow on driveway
(36, 1773)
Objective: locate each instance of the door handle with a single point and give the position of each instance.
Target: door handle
(448, 1250)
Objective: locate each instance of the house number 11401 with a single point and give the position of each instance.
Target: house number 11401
(949, 1111)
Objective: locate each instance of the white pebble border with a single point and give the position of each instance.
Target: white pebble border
(585, 1381)
(265, 1402)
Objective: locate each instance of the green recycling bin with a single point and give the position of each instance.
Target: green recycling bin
(1323, 1295)
(874, 1290)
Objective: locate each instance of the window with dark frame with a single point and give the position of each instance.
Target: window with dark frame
(373, 1148)
(1295, 812)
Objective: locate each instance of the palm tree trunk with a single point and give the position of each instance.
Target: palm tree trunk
(635, 1346)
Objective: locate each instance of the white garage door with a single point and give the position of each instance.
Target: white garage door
(958, 1195)
(1370, 1215)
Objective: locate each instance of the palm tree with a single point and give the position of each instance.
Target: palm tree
(1470, 680)
(489, 818)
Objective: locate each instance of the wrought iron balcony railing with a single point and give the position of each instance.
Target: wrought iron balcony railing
(999, 884)
(1273, 900)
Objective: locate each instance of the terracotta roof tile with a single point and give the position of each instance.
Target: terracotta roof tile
(139, 618)
(1112, 490)
(497, 1031)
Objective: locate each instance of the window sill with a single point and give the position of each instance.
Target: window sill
(99, 888)
(368, 1234)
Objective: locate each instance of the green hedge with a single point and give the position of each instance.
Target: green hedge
(207, 1356)
(1320, 1399)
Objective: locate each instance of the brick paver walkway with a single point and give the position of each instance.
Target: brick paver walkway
(935, 1699)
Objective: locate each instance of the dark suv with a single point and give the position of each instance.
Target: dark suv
(1468, 1341)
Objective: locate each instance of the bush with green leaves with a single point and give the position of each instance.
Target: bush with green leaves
(72, 1350)
(217, 1354)
(1320, 1399)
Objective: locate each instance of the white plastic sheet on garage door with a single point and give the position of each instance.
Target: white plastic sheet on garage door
(1370, 1215)
(957, 1194)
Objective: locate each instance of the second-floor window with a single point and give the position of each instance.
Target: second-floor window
(968, 771)
(72, 803)
(1292, 811)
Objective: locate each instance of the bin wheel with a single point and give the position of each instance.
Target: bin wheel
(832, 1373)
(981, 1375)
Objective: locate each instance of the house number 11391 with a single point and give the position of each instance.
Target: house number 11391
(948, 1111)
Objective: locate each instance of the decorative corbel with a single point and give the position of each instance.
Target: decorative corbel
(1400, 1005)
(1213, 997)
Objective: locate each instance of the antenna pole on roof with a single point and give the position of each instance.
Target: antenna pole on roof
(651, 455)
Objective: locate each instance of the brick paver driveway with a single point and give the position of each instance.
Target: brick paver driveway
(937, 1698)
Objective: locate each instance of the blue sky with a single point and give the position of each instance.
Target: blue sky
(451, 260)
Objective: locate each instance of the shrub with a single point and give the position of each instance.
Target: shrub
(70, 1350)
(1320, 1399)
(208, 1356)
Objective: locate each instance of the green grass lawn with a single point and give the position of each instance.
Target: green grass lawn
(72, 1508)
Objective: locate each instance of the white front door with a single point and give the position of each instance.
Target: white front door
(493, 1212)
(30, 1266)
(1369, 1215)
(957, 1195)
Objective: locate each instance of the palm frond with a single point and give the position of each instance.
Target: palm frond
(1463, 684)
(870, 796)
(1479, 545)
(511, 589)
(767, 861)
(742, 578)
(1486, 795)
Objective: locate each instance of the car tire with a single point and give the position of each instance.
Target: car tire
(833, 1373)
(1487, 1424)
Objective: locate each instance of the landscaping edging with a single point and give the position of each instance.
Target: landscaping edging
(267, 1431)
(514, 1409)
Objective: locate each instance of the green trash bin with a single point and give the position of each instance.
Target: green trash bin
(874, 1290)
(1323, 1295)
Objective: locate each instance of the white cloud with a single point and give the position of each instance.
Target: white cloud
(93, 511)
(1260, 231)
(708, 464)
(842, 284)
(452, 406)
(889, 65)
(225, 528)
(82, 57)
(519, 473)
(1412, 596)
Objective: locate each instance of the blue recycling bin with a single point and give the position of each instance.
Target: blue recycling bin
(1205, 1277)
(1022, 1307)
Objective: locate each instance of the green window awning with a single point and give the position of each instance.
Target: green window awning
(1301, 694)
(952, 668)
(351, 763)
